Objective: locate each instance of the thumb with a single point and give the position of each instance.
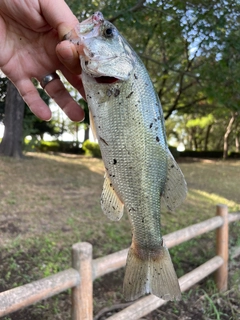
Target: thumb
(68, 55)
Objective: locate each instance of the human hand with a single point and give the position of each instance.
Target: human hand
(30, 31)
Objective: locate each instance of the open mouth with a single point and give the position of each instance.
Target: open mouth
(105, 79)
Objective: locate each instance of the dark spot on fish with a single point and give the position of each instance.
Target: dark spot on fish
(159, 117)
(146, 84)
(104, 141)
(113, 175)
(142, 220)
(116, 92)
(129, 95)
(135, 76)
(78, 43)
(155, 119)
(172, 166)
(110, 184)
(114, 161)
(157, 139)
(91, 54)
(151, 124)
(113, 208)
(86, 63)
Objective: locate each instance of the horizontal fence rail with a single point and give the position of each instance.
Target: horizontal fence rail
(23, 296)
(85, 270)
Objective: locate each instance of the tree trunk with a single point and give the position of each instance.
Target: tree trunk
(207, 137)
(11, 144)
(86, 133)
(237, 142)
(227, 133)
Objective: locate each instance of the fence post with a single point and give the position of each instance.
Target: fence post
(82, 295)
(222, 248)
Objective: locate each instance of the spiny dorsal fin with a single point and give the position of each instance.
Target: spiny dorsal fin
(175, 190)
(110, 203)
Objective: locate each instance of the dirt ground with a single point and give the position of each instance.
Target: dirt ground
(49, 202)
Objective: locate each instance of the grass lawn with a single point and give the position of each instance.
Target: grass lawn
(49, 202)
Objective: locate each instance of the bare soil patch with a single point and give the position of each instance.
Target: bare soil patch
(49, 202)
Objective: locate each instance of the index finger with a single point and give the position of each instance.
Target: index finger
(59, 16)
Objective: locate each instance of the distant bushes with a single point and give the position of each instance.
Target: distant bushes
(202, 154)
(91, 149)
(174, 152)
(53, 146)
(211, 154)
(234, 155)
(88, 148)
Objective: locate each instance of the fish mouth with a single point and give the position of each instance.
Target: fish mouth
(106, 79)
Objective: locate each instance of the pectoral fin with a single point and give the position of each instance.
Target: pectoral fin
(176, 187)
(110, 202)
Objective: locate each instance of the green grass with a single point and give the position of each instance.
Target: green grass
(49, 202)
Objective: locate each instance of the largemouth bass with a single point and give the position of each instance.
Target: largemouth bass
(140, 170)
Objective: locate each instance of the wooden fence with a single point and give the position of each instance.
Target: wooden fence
(85, 270)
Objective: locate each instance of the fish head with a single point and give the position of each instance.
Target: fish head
(103, 52)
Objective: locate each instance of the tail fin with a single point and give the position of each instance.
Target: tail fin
(154, 275)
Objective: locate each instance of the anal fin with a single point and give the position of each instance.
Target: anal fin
(111, 205)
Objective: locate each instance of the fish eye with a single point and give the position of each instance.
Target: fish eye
(108, 32)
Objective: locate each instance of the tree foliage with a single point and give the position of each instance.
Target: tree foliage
(191, 50)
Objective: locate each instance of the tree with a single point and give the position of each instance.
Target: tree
(11, 144)
(3, 92)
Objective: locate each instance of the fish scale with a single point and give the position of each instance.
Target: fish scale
(140, 170)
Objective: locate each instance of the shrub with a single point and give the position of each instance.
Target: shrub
(53, 146)
(174, 152)
(234, 155)
(91, 149)
(216, 154)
